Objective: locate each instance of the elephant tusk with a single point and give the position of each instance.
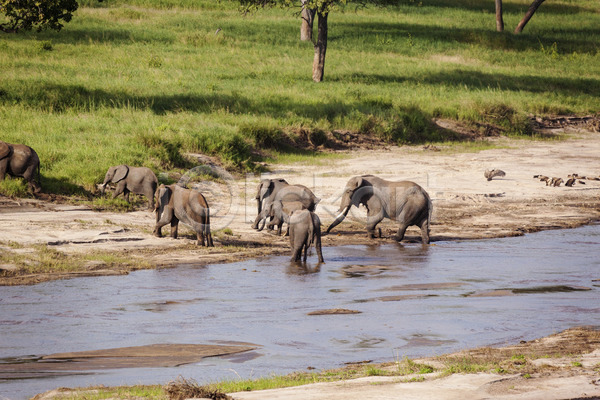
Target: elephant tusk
(338, 219)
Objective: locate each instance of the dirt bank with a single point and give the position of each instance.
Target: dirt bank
(466, 206)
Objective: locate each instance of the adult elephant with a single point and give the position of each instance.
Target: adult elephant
(175, 204)
(404, 202)
(265, 194)
(138, 180)
(289, 193)
(21, 161)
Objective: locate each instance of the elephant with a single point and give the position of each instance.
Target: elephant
(280, 212)
(305, 230)
(265, 194)
(286, 194)
(404, 202)
(20, 160)
(175, 203)
(139, 180)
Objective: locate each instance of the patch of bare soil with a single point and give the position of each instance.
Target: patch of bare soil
(39, 234)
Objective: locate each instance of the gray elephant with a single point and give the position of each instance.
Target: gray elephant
(20, 160)
(404, 202)
(138, 180)
(280, 212)
(305, 230)
(265, 194)
(174, 204)
(286, 194)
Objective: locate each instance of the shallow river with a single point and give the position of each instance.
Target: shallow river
(413, 301)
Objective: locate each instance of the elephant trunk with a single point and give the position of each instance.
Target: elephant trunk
(338, 219)
(264, 221)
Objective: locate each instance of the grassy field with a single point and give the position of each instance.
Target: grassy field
(145, 81)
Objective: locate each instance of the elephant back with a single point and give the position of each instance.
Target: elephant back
(298, 193)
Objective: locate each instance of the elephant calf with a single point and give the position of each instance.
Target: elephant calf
(280, 212)
(20, 160)
(174, 204)
(139, 180)
(305, 229)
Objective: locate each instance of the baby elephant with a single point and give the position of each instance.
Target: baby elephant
(20, 160)
(138, 180)
(280, 212)
(174, 204)
(305, 229)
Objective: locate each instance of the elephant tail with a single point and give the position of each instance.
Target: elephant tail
(311, 233)
(39, 177)
(206, 228)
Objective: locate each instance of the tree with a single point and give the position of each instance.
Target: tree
(308, 16)
(321, 8)
(41, 14)
(499, 20)
(532, 8)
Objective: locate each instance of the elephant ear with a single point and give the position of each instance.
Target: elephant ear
(358, 183)
(265, 187)
(120, 173)
(5, 150)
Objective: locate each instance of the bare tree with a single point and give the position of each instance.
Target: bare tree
(499, 19)
(532, 8)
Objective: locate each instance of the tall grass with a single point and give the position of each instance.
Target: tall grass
(145, 81)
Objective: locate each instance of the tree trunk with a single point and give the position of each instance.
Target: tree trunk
(320, 48)
(499, 20)
(532, 8)
(308, 16)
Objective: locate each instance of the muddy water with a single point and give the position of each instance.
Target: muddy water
(408, 300)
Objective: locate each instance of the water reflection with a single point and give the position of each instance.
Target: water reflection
(410, 300)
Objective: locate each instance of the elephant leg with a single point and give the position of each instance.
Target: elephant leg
(119, 189)
(28, 176)
(296, 252)
(318, 247)
(259, 218)
(372, 221)
(126, 194)
(400, 234)
(279, 228)
(150, 196)
(425, 231)
(200, 238)
(174, 226)
(158, 228)
(305, 247)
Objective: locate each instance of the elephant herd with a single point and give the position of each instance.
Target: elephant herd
(278, 201)
(404, 202)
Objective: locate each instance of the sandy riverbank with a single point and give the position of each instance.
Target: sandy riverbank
(466, 206)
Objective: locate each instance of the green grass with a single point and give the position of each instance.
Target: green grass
(145, 81)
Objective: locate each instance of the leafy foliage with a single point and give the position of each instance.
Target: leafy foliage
(41, 14)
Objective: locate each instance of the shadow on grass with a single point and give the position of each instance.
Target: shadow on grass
(60, 98)
(569, 40)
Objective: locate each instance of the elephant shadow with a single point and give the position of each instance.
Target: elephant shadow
(302, 268)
